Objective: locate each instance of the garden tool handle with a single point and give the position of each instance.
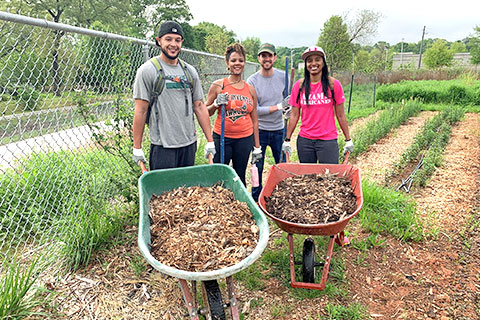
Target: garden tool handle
(143, 167)
(210, 158)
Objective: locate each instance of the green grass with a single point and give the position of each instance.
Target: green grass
(78, 199)
(385, 211)
(19, 298)
(353, 311)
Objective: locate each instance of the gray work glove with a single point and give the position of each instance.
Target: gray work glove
(210, 149)
(348, 147)
(285, 107)
(256, 154)
(138, 156)
(222, 98)
(286, 147)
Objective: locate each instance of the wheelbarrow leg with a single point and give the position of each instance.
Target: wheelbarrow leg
(326, 266)
(189, 300)
(232, 299)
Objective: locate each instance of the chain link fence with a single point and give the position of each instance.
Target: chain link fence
(54, 176)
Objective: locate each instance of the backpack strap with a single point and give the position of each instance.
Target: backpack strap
(160, 83)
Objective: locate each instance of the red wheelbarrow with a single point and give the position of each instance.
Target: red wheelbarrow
(335, 229)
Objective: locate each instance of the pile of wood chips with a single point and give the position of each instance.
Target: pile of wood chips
(312, 199)
(200, 229)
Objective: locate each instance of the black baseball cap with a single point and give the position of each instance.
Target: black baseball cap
(170, 27)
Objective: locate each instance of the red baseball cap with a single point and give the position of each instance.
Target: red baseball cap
(313, 50)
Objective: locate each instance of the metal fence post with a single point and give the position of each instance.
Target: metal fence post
(146, 52)
(374, 88)
(351, 89)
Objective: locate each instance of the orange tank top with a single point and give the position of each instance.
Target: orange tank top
(238, 123)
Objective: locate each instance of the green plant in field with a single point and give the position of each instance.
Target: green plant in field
(380, 127)
(387, 211)
(354, 311)
(19, 298)
(138, 265)
(372, 241)
(280, 310)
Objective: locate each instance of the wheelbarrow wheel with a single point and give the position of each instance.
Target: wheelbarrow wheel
(308, 269)
(213, 300)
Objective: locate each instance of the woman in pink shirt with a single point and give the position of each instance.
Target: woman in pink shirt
(318, 99)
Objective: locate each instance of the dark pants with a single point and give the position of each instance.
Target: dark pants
(317, 151)
(164, 158)
(274, 139)
(236, 150)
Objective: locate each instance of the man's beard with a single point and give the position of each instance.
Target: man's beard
(271, 66)
(169, 56)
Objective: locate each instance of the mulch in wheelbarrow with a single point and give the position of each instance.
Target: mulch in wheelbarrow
(201, 229)
(312, 199)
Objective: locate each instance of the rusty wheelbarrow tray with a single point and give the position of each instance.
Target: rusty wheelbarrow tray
(335, 229)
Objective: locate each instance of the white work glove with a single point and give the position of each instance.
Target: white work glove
(256, 154)
(222, 98)
(283, 105)
(286, 147)
(348, 147)
(138, 156)
(210, 149)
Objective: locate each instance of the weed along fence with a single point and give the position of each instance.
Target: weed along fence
(60, 189)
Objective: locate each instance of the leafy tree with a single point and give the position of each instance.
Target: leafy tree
(252, 45)
(363, 26)
(216, 38)
(439, 55)
(474, 44)
(362, 62)
(339, 35)
(160, 11)
(334, 39)
(458, 46)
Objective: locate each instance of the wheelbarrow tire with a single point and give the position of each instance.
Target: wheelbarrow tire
(308, 266)
(213, 299)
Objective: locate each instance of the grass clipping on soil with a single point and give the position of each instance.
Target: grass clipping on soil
(201, 229)
(312, 199)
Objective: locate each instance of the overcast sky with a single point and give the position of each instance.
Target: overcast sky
(298, 23)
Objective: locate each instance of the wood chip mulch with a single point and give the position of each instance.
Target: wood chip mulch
(312, 199)
(201, 229)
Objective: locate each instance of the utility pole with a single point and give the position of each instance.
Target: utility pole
(401, 54)
(421, 47)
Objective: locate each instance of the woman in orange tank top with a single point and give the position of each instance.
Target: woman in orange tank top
(241, 122)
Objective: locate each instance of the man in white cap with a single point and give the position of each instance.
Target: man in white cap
(269, 83)
(167, 93)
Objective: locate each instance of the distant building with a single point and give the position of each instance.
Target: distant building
(410, 59)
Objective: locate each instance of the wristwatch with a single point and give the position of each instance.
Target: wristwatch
(287, 140)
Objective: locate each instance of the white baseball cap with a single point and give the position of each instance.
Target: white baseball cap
(313, 50)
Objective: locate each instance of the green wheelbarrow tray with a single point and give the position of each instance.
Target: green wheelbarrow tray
(159, 181)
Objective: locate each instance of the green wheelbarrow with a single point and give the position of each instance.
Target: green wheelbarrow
(159, 181)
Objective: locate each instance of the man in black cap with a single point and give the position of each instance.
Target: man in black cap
(167, 92)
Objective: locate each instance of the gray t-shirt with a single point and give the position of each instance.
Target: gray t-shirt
(172, 123)
(269, 93)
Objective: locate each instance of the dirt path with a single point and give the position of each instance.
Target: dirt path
(437, 279)
(380, 157)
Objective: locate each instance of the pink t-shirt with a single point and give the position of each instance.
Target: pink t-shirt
(318, 117)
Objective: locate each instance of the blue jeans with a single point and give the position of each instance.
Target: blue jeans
(274, 139)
